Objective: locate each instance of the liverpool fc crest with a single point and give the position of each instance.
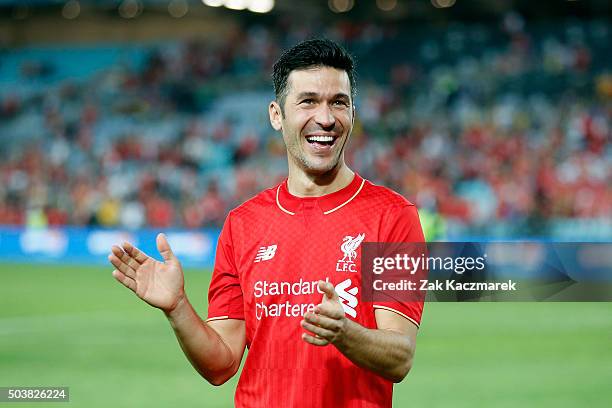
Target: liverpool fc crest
(349, 248)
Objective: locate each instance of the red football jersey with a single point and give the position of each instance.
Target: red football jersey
(272, 251)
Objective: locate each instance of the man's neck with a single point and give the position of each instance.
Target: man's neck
(302, 184)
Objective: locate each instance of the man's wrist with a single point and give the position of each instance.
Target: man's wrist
(349, 331)
(181, 305)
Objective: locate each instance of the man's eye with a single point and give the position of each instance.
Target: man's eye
(341, 103)
(307, 101)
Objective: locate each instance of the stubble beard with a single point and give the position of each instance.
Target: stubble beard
(300, 157)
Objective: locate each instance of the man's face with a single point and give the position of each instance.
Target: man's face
(317, 120)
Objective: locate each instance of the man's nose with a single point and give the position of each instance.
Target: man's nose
(324, 116)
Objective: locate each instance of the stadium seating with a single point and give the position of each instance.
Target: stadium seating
(498, 132)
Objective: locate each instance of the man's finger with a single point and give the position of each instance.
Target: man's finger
(328, 289)
(125, 258)
(319, 331)
(315, 341)
(135, 253)
(125, 280)
(164, 248)
(322, 321)
(121, 266)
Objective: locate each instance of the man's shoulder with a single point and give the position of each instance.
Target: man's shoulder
(384, 197)
(256, 204)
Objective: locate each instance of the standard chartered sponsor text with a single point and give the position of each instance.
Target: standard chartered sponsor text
(269, 308)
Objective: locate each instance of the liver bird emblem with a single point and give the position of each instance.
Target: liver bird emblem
(349, 247)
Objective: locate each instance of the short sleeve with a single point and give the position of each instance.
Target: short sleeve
(225, 299)
(402, 225)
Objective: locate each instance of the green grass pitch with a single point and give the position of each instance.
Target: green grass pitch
(75, 326)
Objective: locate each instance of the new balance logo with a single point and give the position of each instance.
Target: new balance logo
(265, 253)
(348, 298)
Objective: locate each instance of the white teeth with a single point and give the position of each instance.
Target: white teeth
(320, 139)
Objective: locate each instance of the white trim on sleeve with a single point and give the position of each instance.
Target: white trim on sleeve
(398, 312)
(217, 318)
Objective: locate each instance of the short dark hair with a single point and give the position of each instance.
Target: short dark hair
(317, 52)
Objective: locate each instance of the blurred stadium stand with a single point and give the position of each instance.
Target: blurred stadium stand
(495, 122)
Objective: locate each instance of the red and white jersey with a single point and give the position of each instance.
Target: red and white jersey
(272, 251)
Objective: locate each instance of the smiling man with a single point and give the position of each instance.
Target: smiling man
(287, 276)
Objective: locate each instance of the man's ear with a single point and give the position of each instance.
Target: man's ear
(353, 113)
(276, 116)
